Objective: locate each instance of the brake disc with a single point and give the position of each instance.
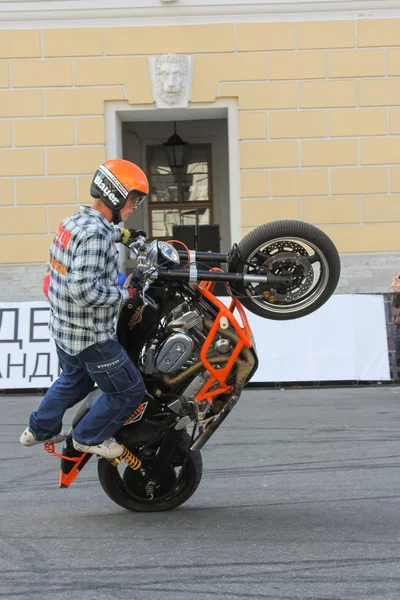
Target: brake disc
(288, 258)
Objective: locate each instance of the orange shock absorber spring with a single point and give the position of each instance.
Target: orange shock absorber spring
(133, 461)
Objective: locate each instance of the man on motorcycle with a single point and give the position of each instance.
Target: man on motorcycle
(84, 298)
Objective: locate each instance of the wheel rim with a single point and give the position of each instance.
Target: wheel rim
(137, 485)
(312, 289)
(133, 485)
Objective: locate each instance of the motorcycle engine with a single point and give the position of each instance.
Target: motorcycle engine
(179, 348)
(173, 353)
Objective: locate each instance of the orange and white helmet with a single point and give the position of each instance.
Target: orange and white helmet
(115, 179)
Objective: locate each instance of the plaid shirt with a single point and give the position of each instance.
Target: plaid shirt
(84, 293)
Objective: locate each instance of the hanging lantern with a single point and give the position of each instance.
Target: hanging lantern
(175, 149)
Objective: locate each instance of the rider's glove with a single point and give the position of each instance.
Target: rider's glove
(129, 235)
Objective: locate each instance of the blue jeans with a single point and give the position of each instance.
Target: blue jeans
(107, 365)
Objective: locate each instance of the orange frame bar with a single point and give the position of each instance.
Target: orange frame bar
(65, 479)
(245, 340)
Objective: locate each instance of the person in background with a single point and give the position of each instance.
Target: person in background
(46, 282)
(395, 290)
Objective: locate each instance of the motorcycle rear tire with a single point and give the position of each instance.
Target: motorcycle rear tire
(298, 231)
(114, 487)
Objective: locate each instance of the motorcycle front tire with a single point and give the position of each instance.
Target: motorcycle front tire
(295, 233)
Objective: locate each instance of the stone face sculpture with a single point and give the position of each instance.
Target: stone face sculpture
(170, 79)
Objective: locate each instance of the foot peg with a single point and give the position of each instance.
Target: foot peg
(183, 423)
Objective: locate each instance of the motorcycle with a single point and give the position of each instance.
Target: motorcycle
(196, 353)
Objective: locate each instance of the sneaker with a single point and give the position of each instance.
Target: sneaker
(28, 439)
(107, 449)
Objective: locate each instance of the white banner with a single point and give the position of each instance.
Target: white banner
(28, 358)
(345, 340)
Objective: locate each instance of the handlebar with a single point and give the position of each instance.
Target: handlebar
(194, 275)
(137, 245)
(205, 257)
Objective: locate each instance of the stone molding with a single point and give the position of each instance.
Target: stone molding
(17, 14)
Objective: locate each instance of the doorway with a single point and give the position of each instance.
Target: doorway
(128, 125)
(196, 194)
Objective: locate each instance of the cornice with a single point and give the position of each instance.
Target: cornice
(21, 14)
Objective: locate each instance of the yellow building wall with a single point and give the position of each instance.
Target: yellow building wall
(319, 121)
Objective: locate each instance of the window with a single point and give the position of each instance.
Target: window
(181, 197)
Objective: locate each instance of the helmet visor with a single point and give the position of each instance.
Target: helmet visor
(136, 198)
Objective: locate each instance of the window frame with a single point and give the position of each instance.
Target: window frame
(179, 205)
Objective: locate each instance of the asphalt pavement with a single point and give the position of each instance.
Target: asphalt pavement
(300, 500)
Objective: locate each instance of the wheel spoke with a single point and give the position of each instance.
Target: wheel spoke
(313, 258)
